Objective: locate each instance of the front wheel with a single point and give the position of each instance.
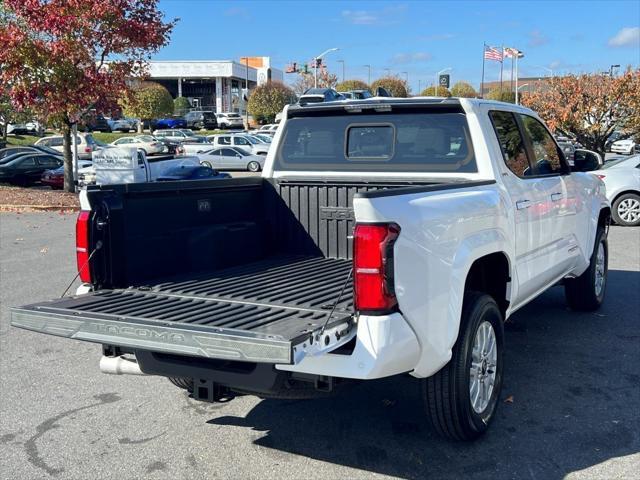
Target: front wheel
(461, 399)
(206, 163)
(626, 210)
(586, 292)
(253, 167)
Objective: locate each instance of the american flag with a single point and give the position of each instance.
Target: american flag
(492, 53)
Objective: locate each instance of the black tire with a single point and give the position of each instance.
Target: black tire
(253, 167)
(183, 383)
(618, 209)
(206, 163)
(447, 394)
(581, 292)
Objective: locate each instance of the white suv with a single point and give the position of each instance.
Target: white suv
(86, 144)
(229, 120)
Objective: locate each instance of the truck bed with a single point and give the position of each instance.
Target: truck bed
(260, 311)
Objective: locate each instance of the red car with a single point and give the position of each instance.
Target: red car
(55, 178)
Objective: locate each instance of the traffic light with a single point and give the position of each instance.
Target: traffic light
(318, 62)
(295, 67)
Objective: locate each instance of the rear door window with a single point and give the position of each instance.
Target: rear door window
(511, 142)
(412, 141)
(547, 159)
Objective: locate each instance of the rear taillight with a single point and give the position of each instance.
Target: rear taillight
(87, 150)
(601, 176)
(82, 246)
(373, 267)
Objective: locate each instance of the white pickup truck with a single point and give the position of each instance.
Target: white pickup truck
(385, 237)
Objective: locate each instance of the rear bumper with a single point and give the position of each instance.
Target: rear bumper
(385, 346)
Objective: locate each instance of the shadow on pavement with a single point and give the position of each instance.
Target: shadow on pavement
(574, 379)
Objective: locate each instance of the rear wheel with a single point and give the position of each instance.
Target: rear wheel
(586, 292)
(184, 383)
(626, 210)
(461, 399)
(206, 163)
(253, 167)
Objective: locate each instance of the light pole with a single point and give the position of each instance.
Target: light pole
(518, 90)
(315, 65)
(342, 62)
(519, 55)
(438, 77)
(369, 76)
(419, 86)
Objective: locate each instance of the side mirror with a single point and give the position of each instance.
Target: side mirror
(586, 161)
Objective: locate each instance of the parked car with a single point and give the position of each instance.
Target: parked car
(356, 94)
(231, 159)
(201, 119)
(318, 95)
(177, 135)
(55, 178)
(169, 123)
(269, 129)
(86, 144)
(171, 147)
(28, 128)
(122, 124)
(191, 172)
(96, 123)
(229, 120)
(622, 180)
(627, 146)
(27, 168)
(240, 141)
(147, 143)
(5, 152)
(612, 138)
(263, 136)
(375, 244)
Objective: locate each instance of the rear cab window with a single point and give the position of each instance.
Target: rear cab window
(403, 139)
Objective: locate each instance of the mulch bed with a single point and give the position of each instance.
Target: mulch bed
(33, 199)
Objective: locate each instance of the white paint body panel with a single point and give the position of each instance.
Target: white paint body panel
(444, 232)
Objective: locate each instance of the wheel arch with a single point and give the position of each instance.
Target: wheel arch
(624, 192)
(491, 274)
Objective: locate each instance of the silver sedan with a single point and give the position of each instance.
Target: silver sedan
(622, 181)
(229, 158)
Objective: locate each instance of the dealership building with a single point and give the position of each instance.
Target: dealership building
(213, 84)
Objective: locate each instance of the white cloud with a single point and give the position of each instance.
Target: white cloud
(405, 58)
(360, 17)
(627, 37)
(384, 16)
(536, 38)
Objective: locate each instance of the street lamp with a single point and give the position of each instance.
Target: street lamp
(315, 65)
(518, 89)
(438, 77)
(369, 77)
(342, 62)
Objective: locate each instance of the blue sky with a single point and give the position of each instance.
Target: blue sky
(418, 37)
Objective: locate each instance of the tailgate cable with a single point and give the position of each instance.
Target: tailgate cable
(98, 247)
(333, 309)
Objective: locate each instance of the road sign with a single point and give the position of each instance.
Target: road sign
(443, 81)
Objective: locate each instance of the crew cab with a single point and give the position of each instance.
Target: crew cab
(385, 237)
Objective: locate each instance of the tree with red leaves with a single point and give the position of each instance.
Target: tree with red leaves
(63, 58)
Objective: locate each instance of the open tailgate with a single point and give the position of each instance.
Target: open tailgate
(189, 325)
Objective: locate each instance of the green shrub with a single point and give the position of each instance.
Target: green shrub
(463, 89)
(396, 86)
(148, 100)
(267, 100)
(503, 96)
(348, 85)
(431, 92)
(181, 105)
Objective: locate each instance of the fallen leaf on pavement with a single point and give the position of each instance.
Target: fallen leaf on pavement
(44, 250)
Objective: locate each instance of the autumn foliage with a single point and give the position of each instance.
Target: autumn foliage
(395, 85)
(590, 106)
(347, 85)
(62, 58)
(267, 100)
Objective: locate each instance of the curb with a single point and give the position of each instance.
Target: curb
(39, 208)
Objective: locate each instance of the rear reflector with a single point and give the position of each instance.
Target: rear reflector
(82, 246)
(373, 267)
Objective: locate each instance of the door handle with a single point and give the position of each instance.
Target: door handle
(556, 196)
(522, 204)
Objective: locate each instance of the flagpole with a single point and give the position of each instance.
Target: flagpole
(511, 84)
(501, 66)
(517, 55)
(484, 48)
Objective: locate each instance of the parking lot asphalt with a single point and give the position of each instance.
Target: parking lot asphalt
(570, 403)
